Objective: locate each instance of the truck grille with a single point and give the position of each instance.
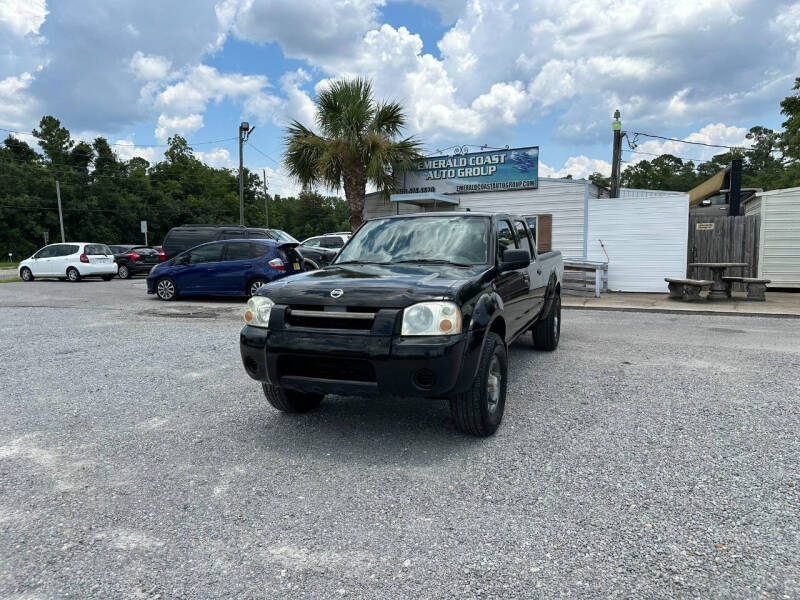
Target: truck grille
(317, 367)
(315, 317)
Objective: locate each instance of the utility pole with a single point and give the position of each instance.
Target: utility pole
(266, 198)
(616, 126)
(60, 216)
(244, 133)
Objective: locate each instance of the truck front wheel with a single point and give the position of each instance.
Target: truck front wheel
(547, 331)
(290, 401)
(479, 410)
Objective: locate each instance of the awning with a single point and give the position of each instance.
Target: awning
(710, 187)
(426, 199)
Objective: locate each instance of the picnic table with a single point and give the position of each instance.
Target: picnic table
(719, 289)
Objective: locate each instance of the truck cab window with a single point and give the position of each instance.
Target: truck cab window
(505, 239)
(524, 238)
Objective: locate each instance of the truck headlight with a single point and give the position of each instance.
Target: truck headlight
(258, 311)
(431, 318)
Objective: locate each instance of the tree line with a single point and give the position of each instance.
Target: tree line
(771, 162)
(104, 198)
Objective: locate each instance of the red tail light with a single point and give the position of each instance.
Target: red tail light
(277, 264)
(132, 255)
(84, 258)
(162, 254)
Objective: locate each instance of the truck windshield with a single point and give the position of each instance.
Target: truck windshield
(460, 240)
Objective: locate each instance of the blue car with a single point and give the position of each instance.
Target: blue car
(224, 268)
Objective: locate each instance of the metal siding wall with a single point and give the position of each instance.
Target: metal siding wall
(563, 199)
(780, 239)
(753, 207)
(376, 207)
(645, 239)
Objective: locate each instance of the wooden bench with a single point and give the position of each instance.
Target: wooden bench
(755, 287)
(687, 289)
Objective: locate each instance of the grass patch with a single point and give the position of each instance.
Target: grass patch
(12, 280)
(8, 265)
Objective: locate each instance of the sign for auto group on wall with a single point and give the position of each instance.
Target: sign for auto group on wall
(490, 171)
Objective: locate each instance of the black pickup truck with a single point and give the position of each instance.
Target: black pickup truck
(414, 305)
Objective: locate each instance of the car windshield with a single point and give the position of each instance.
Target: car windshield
(283, 236)
(458, 239)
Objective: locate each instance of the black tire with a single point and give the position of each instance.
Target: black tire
(310, 265)
(108, 277)
(547, 331)
(254, 284)
(290, 401)
(166, 289)
(26, 274)
(73, 275)
(124, 272)
(479, 410)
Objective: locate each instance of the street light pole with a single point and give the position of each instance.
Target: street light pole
(266, 198)
(244, 133)
(617, 156)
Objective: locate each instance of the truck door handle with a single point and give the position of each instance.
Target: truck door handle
(539, 271)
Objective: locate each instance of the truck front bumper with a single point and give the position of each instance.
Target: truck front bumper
(346, 364)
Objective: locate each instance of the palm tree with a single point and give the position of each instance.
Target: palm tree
(356, 144)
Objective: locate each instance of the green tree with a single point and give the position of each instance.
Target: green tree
(356, 144)
(790, 137)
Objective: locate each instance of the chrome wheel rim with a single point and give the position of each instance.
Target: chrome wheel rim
(165, 289)
(255, 286)
(72, 276)
(123, 272)
(26, 275)
(494, 382)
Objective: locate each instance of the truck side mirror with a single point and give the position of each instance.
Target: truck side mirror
(515, 259)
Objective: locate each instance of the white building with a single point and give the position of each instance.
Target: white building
(642, 235)
(779, 235)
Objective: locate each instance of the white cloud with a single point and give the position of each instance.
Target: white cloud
(713, 133)
(184, 126)
(580, 167)
(149, 67)
(126, 150)
(203, 84)
(307, 29)
(17, 105)
(23, 16)
(217, 158)
(299, 104)
(787, 22)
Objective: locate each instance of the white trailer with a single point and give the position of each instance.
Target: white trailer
(779, 235)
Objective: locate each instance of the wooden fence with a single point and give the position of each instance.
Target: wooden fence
(723, 239)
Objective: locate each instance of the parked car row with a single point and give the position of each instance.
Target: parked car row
(194, 260)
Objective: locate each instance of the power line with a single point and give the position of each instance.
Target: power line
(696, 160)
(669, 139)
(263, 153)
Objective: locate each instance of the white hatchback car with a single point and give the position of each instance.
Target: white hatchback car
(70, 261)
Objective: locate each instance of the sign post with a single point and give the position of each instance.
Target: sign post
(144, 231)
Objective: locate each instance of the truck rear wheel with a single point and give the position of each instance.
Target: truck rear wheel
(547, 331)
(290, 401)
(479, 410)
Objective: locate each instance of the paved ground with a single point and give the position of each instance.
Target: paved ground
(783, 304)
(651, 456)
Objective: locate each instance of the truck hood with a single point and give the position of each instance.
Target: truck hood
(389, 286)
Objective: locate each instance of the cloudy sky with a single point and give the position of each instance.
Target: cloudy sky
(536, 72)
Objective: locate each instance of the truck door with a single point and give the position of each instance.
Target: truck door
(511, 286)
(534, 273)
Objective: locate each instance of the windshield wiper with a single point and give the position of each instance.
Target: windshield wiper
(431, 261)
(359, 262)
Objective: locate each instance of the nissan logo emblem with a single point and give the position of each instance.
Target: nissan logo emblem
(337, 293)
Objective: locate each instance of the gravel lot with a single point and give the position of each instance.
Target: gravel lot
(651, 456)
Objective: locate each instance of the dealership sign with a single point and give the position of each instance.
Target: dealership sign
(493, 170)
